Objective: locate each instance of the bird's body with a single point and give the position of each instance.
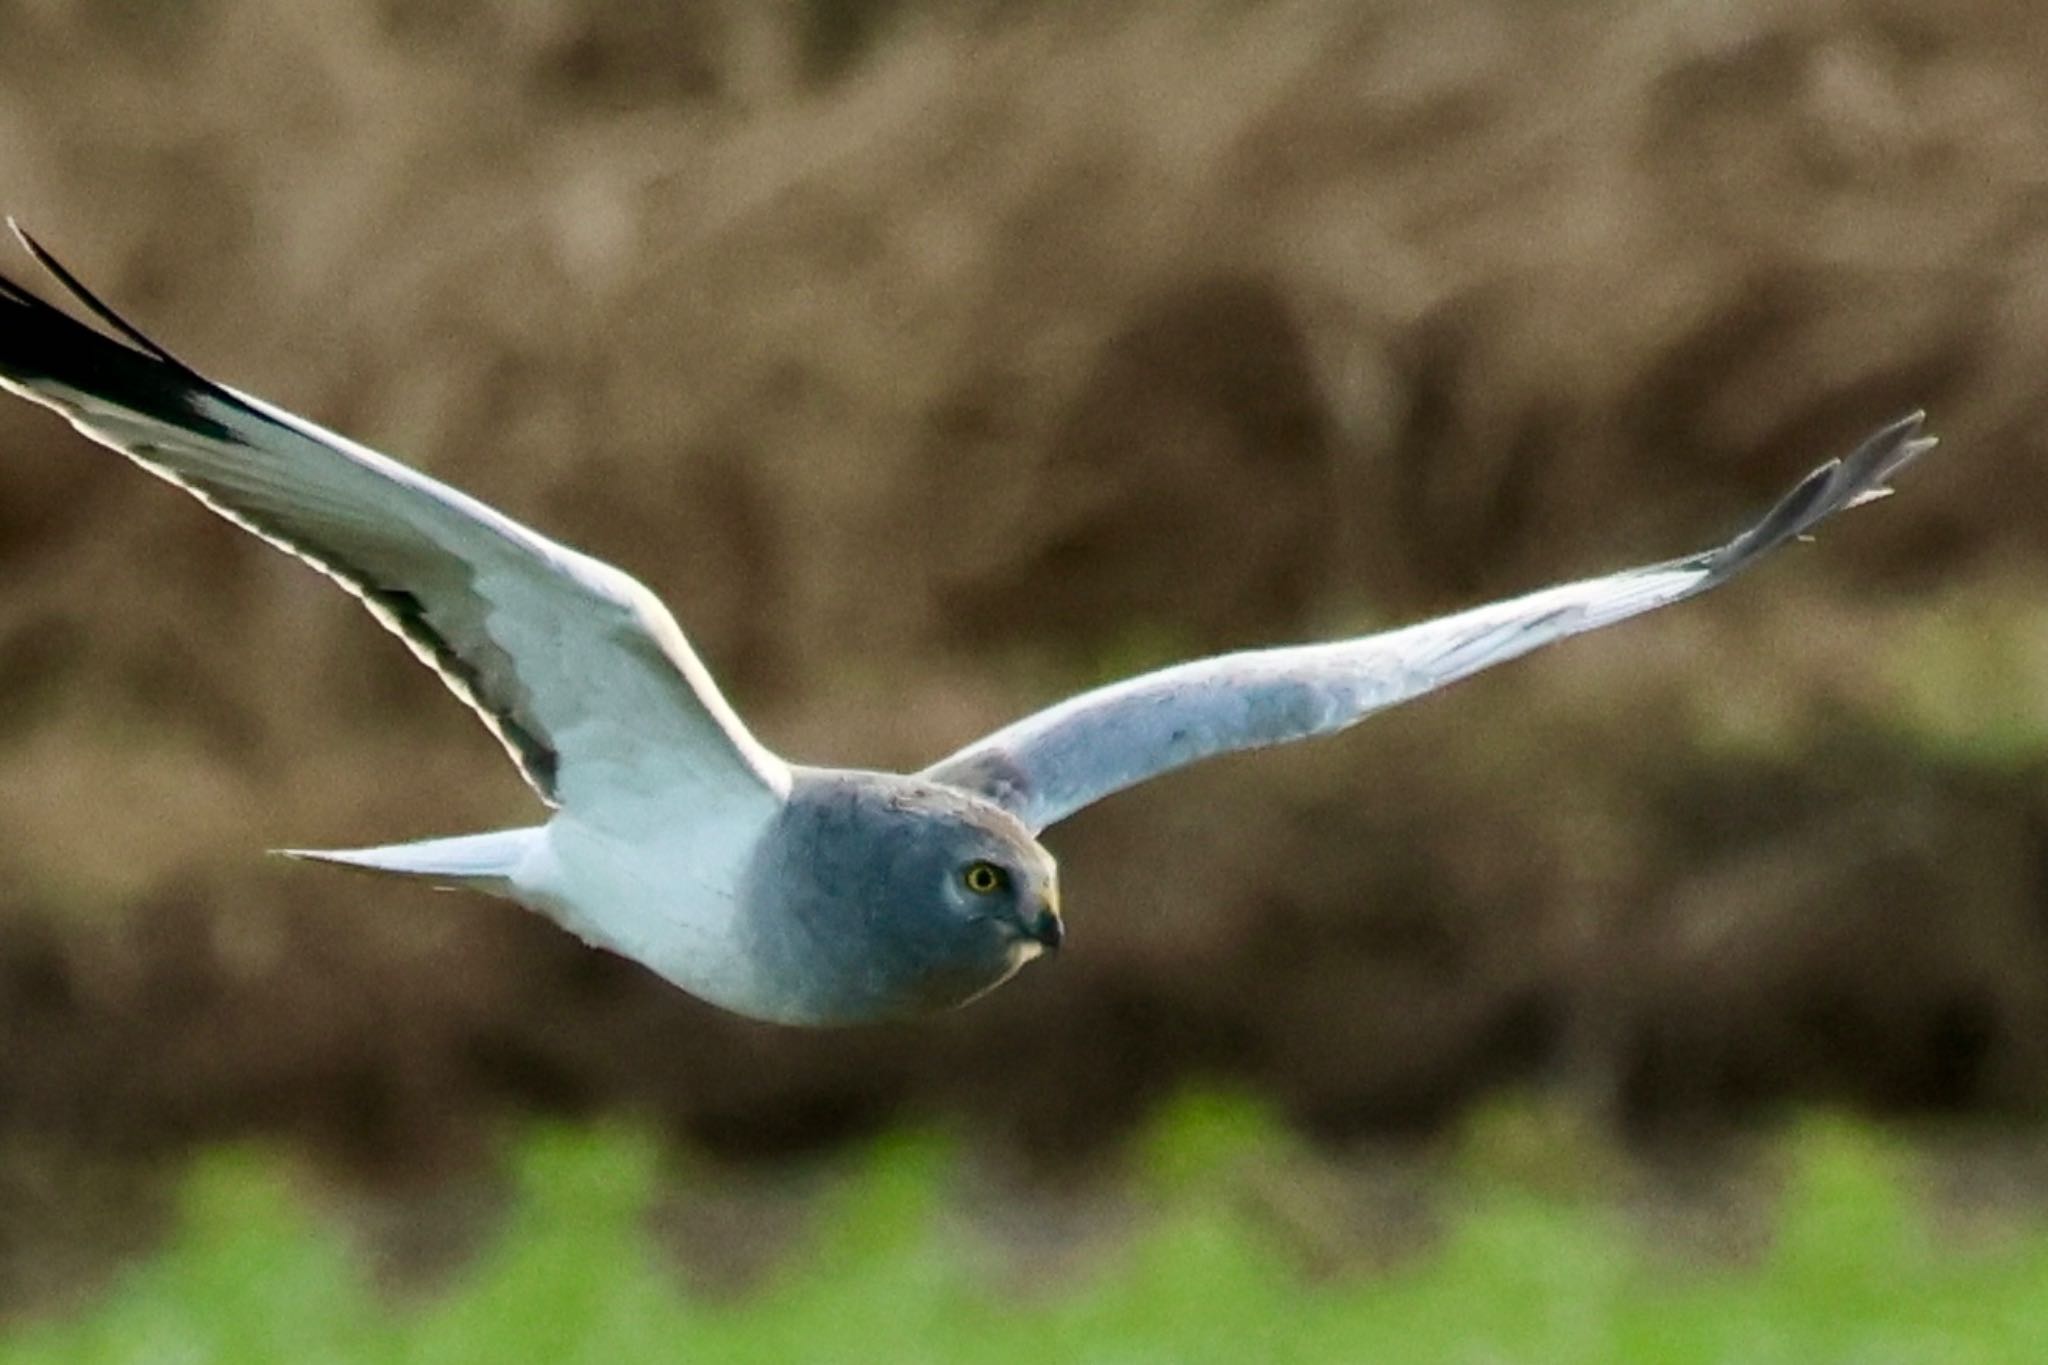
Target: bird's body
(800, 895)
(831, 919)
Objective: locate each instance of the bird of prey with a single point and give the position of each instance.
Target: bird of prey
(802, 895)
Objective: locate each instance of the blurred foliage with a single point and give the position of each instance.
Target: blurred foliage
(1519, 1271)
(1969, 677)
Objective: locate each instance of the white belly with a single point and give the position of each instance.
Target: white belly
(653, 903)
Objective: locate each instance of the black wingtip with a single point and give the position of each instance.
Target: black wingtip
(1861, 476)
(91, 301)
(43, 343)
(1895, 447)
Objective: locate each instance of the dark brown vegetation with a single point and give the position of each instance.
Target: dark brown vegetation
(935, 359)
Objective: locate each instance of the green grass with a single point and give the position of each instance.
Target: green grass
(1535, 1263)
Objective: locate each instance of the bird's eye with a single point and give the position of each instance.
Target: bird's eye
(983, 878)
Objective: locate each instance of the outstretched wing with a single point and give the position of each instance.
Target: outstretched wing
(576, 667)
(1049, 765)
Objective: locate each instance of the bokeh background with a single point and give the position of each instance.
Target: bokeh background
(936, 359)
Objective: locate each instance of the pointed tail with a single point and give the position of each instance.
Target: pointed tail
(479, 862)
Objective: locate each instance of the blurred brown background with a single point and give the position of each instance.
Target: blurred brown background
(934, 360)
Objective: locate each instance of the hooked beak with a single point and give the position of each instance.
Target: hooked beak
(1046, 928)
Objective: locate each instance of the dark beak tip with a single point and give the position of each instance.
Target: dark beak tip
(1049, 930)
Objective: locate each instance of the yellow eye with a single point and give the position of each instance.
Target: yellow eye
(983, 879)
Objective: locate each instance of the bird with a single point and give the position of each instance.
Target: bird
(798, 895)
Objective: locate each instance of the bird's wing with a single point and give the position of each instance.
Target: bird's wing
(576, 667)
(1049, 765)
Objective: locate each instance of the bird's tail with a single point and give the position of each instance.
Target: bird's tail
(479, 862)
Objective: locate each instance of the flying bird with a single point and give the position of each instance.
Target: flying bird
(802, 895)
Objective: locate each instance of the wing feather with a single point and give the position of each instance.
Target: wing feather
(575, 667)
(1049, 765)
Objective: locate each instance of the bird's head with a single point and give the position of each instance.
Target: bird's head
(903, 896)
(998, 879)
(971, 880)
